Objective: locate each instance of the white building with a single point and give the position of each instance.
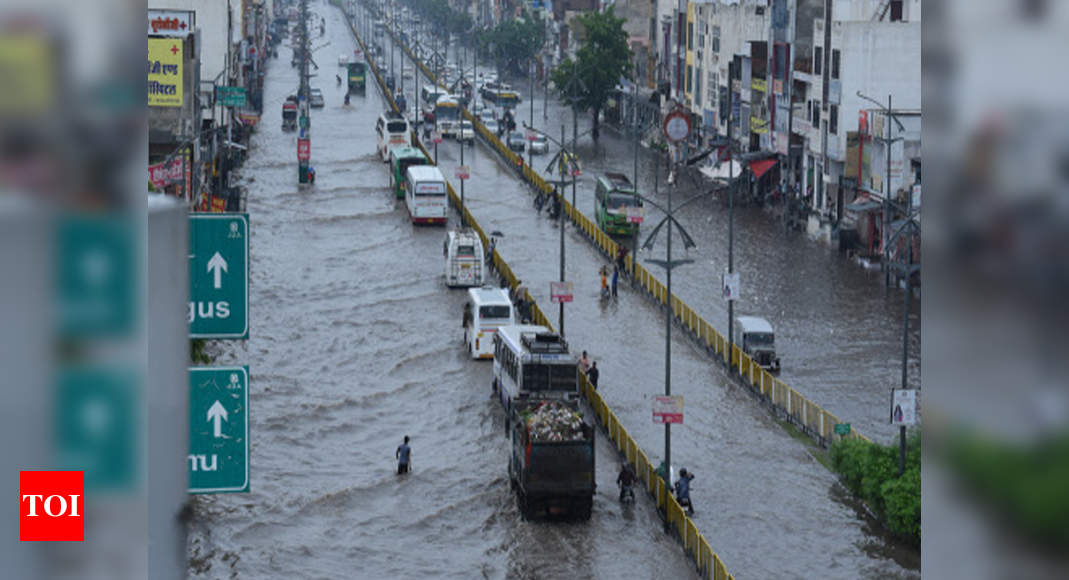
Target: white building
(868, 55)
(212, 23)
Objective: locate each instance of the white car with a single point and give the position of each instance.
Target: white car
(491, 125)
(467, 132)
(539, 144)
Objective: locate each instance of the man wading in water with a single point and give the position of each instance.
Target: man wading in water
(404, 453)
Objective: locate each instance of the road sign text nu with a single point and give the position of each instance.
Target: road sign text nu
(218, 429)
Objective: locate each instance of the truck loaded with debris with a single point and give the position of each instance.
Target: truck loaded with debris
(551, 465)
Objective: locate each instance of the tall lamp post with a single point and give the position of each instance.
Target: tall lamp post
(908, 268)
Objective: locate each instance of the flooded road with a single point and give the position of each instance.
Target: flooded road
(354, 343)
(765, 505)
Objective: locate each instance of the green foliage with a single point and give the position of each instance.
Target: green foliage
(870, 471)
(604, 57)
(196, 352)
(1025, 483)
(514, 43)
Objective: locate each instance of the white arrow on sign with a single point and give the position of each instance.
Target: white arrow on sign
(218, 414)
(218, 264)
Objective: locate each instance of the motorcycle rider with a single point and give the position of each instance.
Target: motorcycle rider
(626, 481)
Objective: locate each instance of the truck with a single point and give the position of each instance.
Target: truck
(357, 77)
(551, 463)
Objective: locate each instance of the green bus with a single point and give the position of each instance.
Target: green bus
(613, 194)
(357, 77)
(401, 158)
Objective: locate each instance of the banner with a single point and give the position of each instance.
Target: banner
(164, 174)
(164, 72)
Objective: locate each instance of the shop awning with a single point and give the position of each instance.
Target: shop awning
(760, 166)
(863, 204)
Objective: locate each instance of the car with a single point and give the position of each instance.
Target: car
(539, 144)
(343, 60)
(516, 141)
(467, 132)
(491, 125)
(315, 99)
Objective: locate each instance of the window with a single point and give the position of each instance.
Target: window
(690, 36)
(896, 10)
(716, 38)
(818, 59)
(698, 87)
(760, 10)
(816, 112)
(833, 119)
(690, 74)
(834, 63)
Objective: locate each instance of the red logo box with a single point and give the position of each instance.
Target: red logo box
(51, 506)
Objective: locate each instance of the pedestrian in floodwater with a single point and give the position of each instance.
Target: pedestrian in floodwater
(404, 454)
(615, 279)
(584, 363)
(593, 375)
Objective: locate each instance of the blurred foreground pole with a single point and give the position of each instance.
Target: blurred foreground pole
(167, 386)
(27, 362)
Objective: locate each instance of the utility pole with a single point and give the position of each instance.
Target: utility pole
(530, 69)
(885, 230)
(304, 120)
(731, 213)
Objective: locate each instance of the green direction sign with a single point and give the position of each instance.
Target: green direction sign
(218, 429)
(230, 96)
(95, 276)
(842, 429)
(218, 275)
(95, 423)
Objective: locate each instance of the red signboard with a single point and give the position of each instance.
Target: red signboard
(304, 149)
(668, 409)
(164, 174)
(561, 292)
(218, 204)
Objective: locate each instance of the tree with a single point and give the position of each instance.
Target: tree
(515, 42)
(587, 82)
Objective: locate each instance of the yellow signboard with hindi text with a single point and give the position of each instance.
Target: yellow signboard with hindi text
(165, 72)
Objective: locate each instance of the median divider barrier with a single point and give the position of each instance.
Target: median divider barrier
(814, 421)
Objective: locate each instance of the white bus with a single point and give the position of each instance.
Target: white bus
(393, 131)
(463, 259)
(491, 309)
(425, 195)
(530, 361)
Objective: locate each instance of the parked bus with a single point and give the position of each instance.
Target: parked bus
(425, 195)
(447, 115)
(393, 131)
(491, 309)
(530, 361)
(401, 158)
(613, 196)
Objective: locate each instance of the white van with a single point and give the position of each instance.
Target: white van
(425, 195)
(755, 337)
(491, 309)
(393, 131)
(463, 252)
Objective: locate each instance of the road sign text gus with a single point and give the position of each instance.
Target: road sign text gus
(54, 505)
(204, 310)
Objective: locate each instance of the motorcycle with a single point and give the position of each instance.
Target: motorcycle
(627, 493)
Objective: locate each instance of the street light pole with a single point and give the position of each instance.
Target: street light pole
(530, 70)
(731, 219)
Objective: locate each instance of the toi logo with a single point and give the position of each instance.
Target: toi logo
(51, 506)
